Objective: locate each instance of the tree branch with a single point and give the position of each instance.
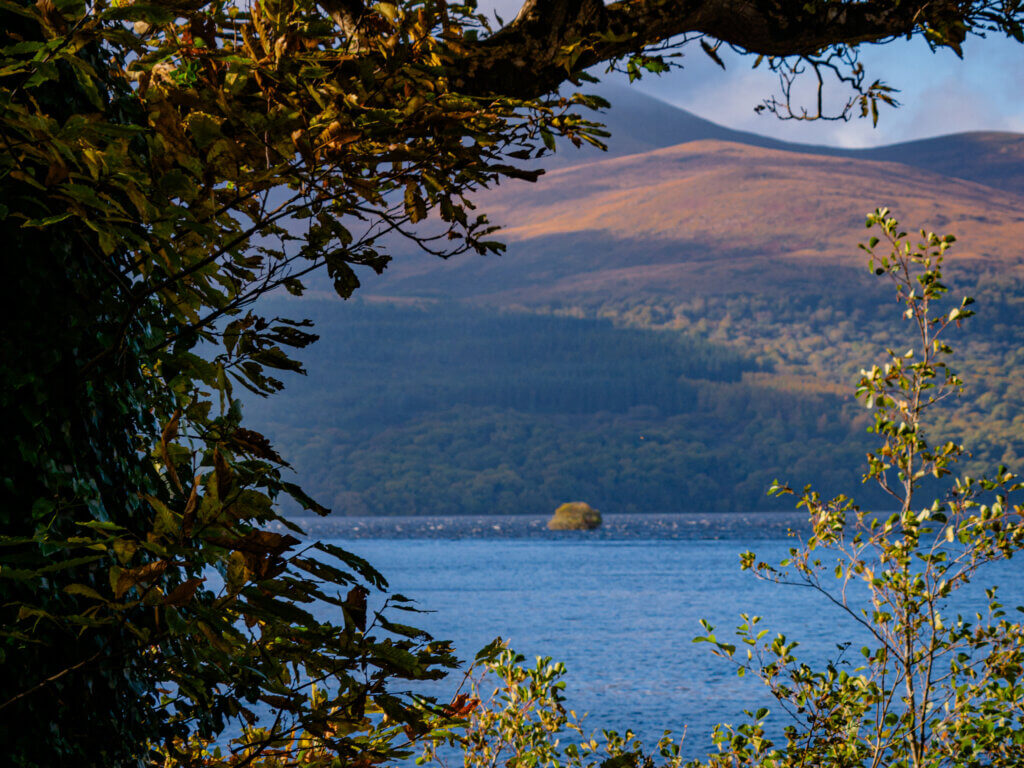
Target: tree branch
(549, 40)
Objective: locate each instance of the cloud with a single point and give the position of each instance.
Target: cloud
(939, 93)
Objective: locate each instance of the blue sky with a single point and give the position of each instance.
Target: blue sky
(940, 93)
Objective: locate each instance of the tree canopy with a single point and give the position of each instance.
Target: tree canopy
(166, 163)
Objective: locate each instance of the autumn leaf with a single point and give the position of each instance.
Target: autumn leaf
(255, 444)
(182, 593)
(355, 606)
(170, 432)
(222, 473)
(145, 574)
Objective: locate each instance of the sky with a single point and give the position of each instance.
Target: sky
(939, 92)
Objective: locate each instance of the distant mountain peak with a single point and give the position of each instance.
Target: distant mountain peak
(641, 123)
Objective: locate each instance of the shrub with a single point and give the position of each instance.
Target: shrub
(934, 688)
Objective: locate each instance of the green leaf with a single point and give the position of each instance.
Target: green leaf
(548, 138)
(84, 590)
(48, 220)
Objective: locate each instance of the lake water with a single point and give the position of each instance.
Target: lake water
(619, 606)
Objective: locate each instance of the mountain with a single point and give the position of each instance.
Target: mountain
(704, 218)
(675, 323)
(680, 206)
(995, 159)
(640, 123)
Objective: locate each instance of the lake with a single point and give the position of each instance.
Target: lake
(619, 606)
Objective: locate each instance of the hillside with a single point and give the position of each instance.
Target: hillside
(992, 158)
(682, 208)
(447, 409)
(674, 325)
(437, 408)
(706, 217)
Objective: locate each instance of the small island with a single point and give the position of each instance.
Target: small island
(575, 516)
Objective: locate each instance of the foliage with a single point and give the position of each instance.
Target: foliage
(807, 341)
(448, 409)
(157, 179)
(933, 689)
(164, 164)
(514, 715)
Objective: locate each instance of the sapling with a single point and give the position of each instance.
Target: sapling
(933, 686)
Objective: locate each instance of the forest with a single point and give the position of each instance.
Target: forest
(820, 342)
(449, 410)
(441, 408)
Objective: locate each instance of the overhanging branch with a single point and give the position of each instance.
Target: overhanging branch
(551, 39)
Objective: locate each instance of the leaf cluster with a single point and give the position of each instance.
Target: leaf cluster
(163, 166)
(513, 714)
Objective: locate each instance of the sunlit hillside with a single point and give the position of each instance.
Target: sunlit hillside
(720, 246)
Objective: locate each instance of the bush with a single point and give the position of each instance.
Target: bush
(514, 715)
(934, 688)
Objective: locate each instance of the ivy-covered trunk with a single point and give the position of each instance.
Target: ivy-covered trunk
(74, 426)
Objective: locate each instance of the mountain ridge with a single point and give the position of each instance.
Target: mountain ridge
(702, 215)
(640, 123)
